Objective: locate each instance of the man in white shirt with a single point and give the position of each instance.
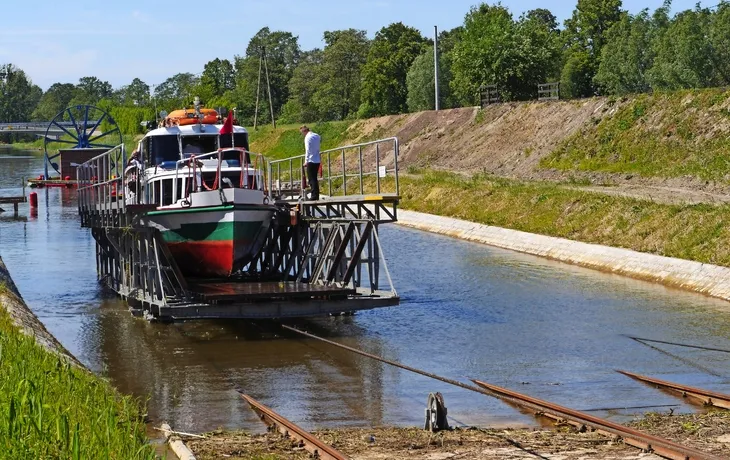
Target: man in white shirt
(311, 159)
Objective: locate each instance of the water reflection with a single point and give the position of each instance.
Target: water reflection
(548, 329)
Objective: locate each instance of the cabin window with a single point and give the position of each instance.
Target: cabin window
(180, 193)
(166, 192)
(241, 140)
(164, 149)
(197, 145)
(155, 198)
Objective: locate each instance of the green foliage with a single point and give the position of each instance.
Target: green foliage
(684, 57)
(483, 53)
(53, 101)
(218, 78)
(585, 34)
(575, 80)
(175, 92)
(91, 90)
(18, 95)
(54, 410)
(391, 55)
(670, 145)
(420, 78)
(627, 55)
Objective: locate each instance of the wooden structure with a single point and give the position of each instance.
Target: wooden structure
(489, 94)
(548, 91)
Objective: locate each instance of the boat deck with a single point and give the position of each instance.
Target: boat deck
(242, 291)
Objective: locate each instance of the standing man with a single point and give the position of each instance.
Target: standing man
(311, 159)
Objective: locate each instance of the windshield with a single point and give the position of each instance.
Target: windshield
(163, 148)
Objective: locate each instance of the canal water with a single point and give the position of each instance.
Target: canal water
(551, 330)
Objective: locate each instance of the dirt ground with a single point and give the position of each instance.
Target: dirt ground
(509, 140)
(708, 432)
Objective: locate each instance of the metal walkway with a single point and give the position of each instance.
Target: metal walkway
(319, 258)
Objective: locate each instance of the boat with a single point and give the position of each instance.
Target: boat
(205, 193)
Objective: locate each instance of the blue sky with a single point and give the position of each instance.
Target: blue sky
(55, 41)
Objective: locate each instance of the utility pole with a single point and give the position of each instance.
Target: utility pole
(268, 85)
(258, 87)
(436, 65)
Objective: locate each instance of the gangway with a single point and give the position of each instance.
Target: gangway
(319, 258)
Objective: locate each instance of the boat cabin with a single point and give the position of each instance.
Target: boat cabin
(169, 179)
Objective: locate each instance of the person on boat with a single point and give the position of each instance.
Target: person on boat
(311, 159)
(132, 174)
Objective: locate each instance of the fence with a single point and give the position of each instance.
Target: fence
(347, 170)
(488, 94)
(548, 91)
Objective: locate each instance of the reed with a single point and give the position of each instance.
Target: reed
(50, 408)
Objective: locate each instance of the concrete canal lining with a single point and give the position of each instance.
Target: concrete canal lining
(708, 279)
(25, 319)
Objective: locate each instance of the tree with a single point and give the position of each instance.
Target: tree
(90, 90)
(176, 91)
(305, 82)
(627, 55)
(218, 77)
(719, 38)
(391, 55)
(18, 95)
(484, 53)
(53, 101)
(136, 93)
(584, 36)
(684, 54)
(344, 57)
(420, 78)
(282, 56)
(537, 54)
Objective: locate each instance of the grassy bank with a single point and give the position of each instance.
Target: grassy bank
(286, 141)
(660, 135)
(694, 232)
(51, 409)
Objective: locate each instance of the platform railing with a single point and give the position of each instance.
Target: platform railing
(101, 194)
(252, 174)
(347, 170)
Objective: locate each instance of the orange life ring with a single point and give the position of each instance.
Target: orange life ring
(185, 117)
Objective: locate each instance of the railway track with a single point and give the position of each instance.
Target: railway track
(650, 443)
(707, 398)
(311, 443)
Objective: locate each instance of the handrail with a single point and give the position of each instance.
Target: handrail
(244, 164)
(296, 174)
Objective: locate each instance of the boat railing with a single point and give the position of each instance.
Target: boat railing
(101, 191)
(252, 173)
(365, 168)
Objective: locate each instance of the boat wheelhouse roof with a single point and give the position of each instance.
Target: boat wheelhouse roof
(195, 129)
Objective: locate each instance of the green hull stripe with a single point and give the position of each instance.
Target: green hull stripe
(213, 231)
(230, 207)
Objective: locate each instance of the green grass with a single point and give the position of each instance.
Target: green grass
(693, 232)
(51, 409)
(682, 133)
(286, 141)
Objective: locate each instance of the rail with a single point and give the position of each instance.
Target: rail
(630, 436)
(548, 91)
(100, 182)
(351, 169)
(708, 398)
(313, 445)
(256, 181)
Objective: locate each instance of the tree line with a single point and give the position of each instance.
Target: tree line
(600, 50)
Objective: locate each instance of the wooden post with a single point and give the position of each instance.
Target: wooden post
(268, 85)
(258, 87)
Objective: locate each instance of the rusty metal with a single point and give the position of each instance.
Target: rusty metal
(708, 398)
(313, 445)
(580, 420)
(630, 436)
